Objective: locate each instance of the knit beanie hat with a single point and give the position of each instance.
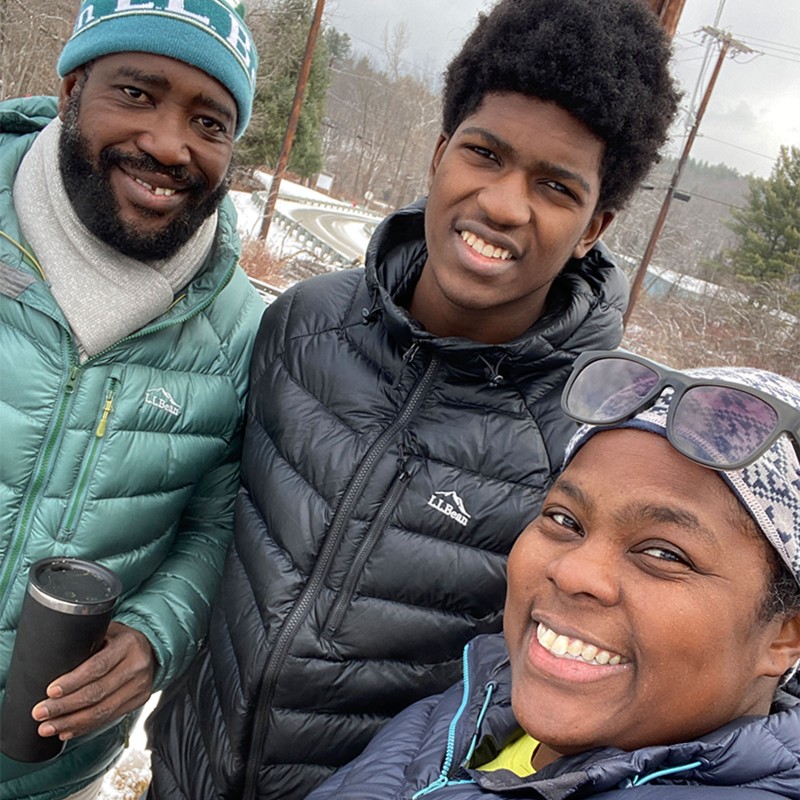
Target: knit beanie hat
(769, 488)
(208, 34)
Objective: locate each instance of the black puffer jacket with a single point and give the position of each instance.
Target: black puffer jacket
(386, 474)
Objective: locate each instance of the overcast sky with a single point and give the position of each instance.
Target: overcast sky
(755, 106)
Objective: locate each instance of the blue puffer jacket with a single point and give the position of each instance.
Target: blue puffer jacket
(424, 752)
(130, 458)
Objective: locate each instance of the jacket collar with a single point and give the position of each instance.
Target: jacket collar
(721, 758)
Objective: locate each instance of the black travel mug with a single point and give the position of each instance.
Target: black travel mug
(65, 614)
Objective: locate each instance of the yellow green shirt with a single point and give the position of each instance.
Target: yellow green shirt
(516, 756)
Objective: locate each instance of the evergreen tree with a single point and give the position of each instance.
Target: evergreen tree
(769, 227)
(281, 31)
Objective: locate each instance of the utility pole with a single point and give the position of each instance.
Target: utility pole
(728, 44)
(291, 128)
(669, 12)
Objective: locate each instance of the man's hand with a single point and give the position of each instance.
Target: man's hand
(115, 680)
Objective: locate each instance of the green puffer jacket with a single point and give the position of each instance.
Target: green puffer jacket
(130, 458)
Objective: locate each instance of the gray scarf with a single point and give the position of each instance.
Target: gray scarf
(104, 295)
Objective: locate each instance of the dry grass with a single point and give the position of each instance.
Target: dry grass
(699, 333)
(259, 263)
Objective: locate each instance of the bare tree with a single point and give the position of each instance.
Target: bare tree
(31, 38)
(727, 329)
(695, 230)
(380, 130)
(395, 42)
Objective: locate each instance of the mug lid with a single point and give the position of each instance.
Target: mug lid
(73, 585)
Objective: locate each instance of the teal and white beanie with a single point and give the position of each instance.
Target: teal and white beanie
(208, 34)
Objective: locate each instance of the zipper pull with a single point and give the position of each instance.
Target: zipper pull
(408, 356)
(72, 381)
(101, 428)
(488, 691)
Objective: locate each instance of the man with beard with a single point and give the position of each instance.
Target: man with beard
(127, 328)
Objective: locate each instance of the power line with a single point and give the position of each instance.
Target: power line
(773, 49)
(783, 58)
(763, 42)
(708, 43)
(690, 43)
(713, 200)
(686, 194)
(738, 147)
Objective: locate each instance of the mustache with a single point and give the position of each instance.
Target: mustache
(143, 162)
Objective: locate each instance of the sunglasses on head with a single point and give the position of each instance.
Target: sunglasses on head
(717, 423)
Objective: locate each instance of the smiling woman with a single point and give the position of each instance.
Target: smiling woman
(628, 559)
(652, 616)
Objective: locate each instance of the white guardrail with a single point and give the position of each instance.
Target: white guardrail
(267, 291)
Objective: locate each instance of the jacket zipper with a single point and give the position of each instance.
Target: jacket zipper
(447, 764)
(362, 554)
(309, 593)
(90, 462)
(53, 436)
(40, 474)
(444, 778)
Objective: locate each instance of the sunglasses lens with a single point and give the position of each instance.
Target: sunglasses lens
(721, 426)
(610, 390)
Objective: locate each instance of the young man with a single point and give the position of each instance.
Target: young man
(127, 329)
(653, 612)
(404, 422)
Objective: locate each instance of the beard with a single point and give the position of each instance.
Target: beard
(91, 194)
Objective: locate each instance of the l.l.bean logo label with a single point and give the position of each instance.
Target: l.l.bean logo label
(161, 399)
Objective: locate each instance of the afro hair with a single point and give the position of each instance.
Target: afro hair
(606, 62)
